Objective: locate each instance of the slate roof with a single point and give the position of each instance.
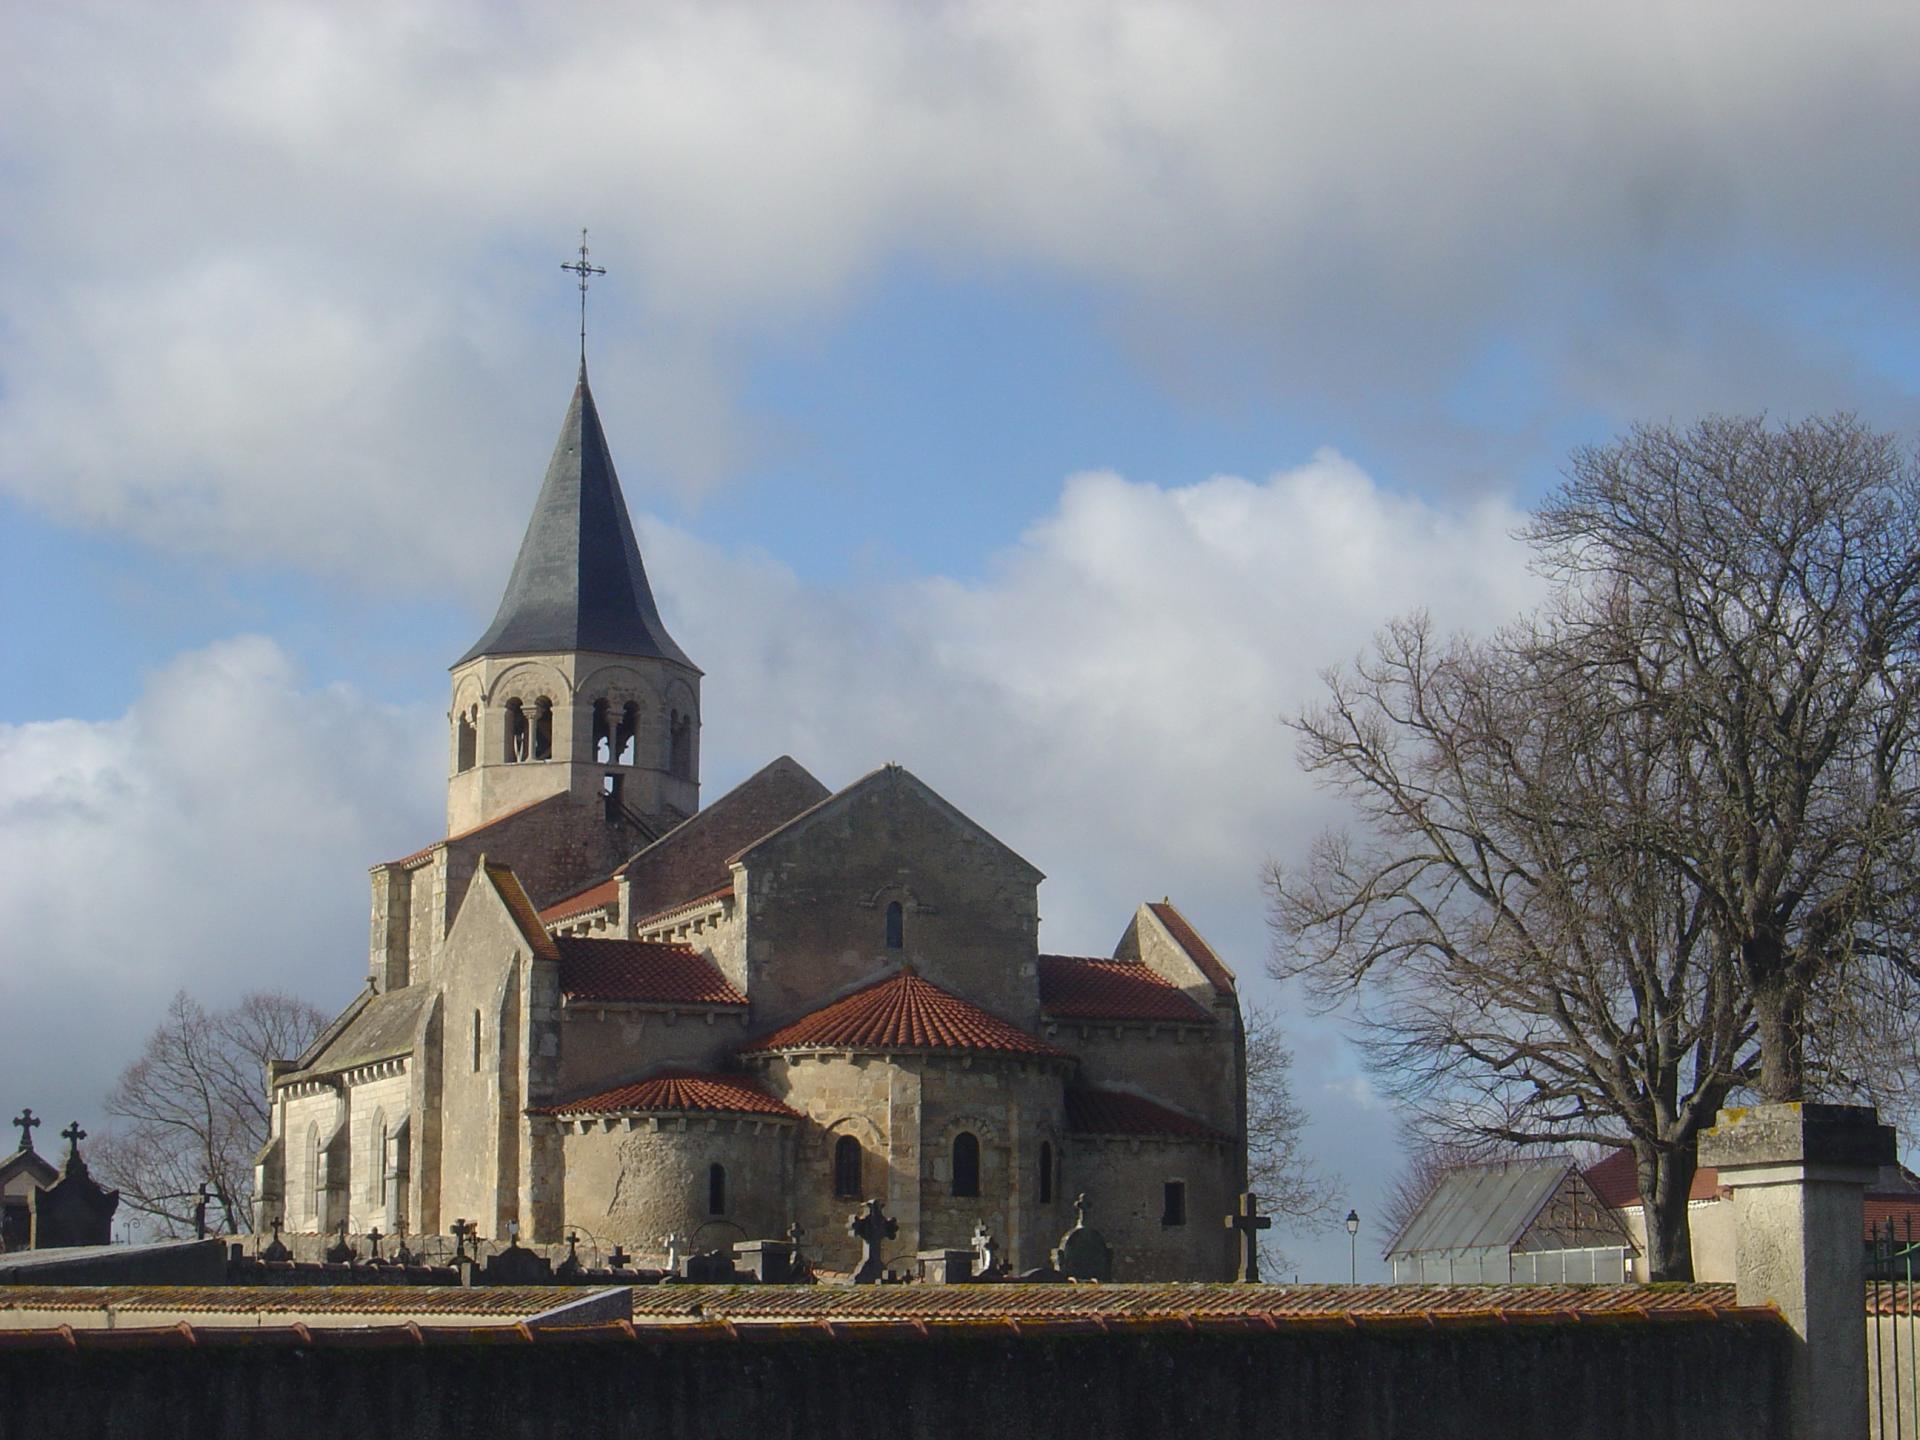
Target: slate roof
(903, 1012)
(1201, 953)
(1476, 1207)
(640, 970)
(578, 582)
(677, 1092)
(1073, 987)
(1115, 1112)
(380, 1029)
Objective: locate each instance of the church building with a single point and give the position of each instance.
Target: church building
(599, 1006)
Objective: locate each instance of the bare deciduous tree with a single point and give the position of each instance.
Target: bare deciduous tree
(1652, 844)
(192, 1110)
(1290, 1186)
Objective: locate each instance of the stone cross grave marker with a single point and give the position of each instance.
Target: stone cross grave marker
(1249, 1222)
(73, 1135)
(1083, 1253)
(374, 1237)
(277, 1251)
(986, 1250)
(28, 1123)
(673, 1243)
(871, 1226)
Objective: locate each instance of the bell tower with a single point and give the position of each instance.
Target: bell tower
(576, 686)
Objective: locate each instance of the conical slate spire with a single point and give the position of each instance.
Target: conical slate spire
(578, 583)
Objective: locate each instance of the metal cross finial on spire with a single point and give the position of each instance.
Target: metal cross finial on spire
(581, 268)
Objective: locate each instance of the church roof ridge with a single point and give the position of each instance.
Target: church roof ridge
(1090, 987)
(578, 582)
(903, 1011)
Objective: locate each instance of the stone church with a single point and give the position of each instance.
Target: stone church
(600, 1006)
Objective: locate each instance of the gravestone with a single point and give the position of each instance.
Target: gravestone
(1083, 1254)
(517, 1266)
(1248, 1222)
(986, 1253)
(871, 1226)
(277, 1252)
(772, 1262)
(75, 1209)
(945, 1267)
(340, 1252)
(570, 1268)
(709, 1267)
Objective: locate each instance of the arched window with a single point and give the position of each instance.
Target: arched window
(680, 745)
(1046, 1172)
(543, 729)
(514, 739)
(602, 735)
(467, 741)
(624, 739)
(846, 1168)
(476, 1042)
(716, 1190)
(314, 1178)
(966, 1164)
(377, 1158)
(896, 926)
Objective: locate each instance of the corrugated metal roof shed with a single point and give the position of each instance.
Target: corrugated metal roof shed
(1482, 1207)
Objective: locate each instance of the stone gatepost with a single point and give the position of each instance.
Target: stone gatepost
(1799, 1173)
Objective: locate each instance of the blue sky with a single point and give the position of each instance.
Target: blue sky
(1041, 397)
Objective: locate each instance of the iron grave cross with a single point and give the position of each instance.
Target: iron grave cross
(581, 268)
(1248, 1220)
(28, 1122)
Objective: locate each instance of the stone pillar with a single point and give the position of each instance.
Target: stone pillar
(1798, 1174)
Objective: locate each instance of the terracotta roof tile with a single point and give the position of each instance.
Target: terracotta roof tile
(644, 971)
(524, 915)
(1902, 1210)
(696, 903)
(594, 897)
(1114, 1112)
(1197, 949)
(1077, 988)
(1616, 1180)
(676, 1092)
(903, 1012)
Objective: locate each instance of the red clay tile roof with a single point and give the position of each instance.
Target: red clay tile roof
(697, 902)
(1114, 1112)
(1616, 1181)
(524, 915)
(645, 971)
(903, 1012)
(1902, 1209)
(1197, 949)
(1075, 988)
(594, 897)
(677, 1091)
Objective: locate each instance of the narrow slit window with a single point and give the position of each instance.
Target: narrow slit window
(476, 1042)
(846, 1168)
(1173, 1203)
(716, 1190)
(896, 926)
(966, 1163)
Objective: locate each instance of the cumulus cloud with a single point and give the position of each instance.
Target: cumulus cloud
(215, 836)
(282, 244)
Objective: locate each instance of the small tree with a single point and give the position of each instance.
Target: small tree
(192, 1110)
(1289, 1185)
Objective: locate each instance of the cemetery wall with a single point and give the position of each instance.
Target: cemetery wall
(1685, 1379)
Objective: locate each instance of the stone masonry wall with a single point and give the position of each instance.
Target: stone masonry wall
(633, 1181)
(1125, 1179)
(600, 1048)
(817, 897)
(1191, 1069)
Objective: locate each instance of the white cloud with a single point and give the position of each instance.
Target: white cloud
(281, 245)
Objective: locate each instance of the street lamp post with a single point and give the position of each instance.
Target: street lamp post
(1353, 1247)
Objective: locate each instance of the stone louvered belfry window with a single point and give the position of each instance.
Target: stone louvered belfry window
(543, 729)
(602, 735)
(514, 735)
(467, 741)
(966, 1163)
(846, 1168)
